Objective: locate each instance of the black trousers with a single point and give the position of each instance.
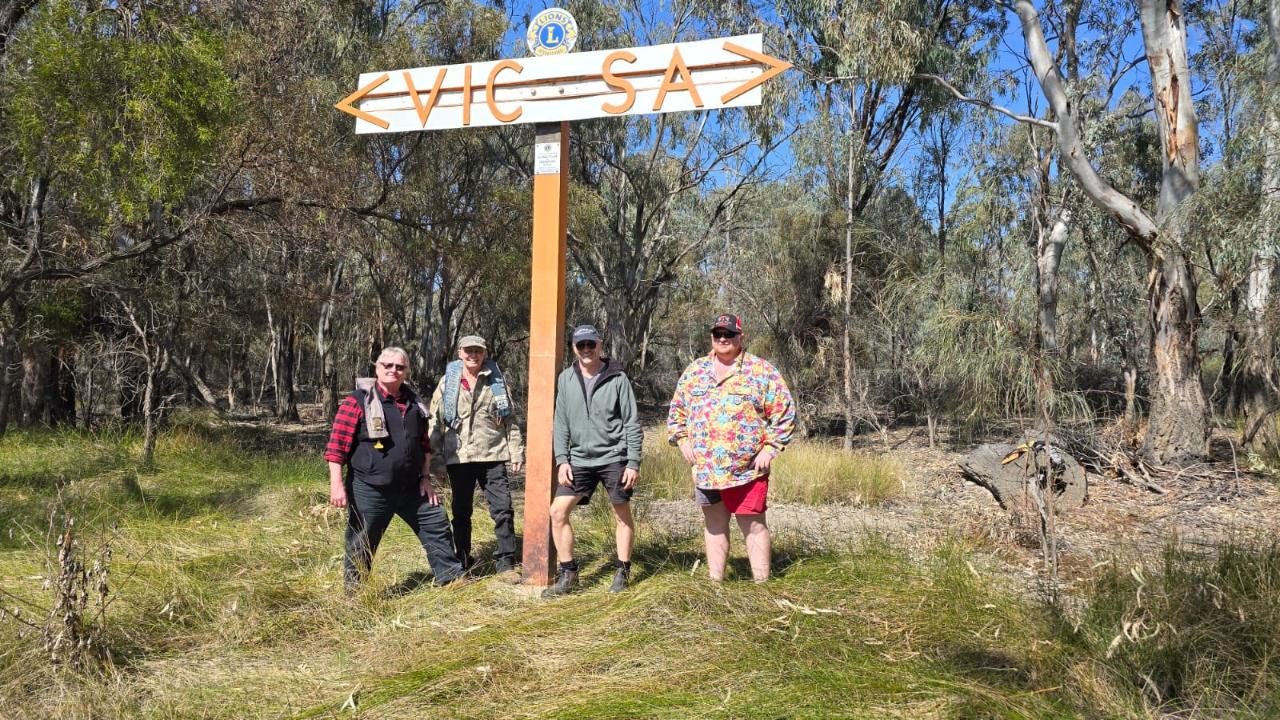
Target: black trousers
(492, 478)
(369, 511)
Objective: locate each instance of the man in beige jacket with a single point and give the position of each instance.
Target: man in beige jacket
(474, 434)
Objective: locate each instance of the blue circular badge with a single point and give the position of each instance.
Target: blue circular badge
(552, 32)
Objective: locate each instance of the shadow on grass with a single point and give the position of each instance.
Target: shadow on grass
(993, 668)
(411, 582)
(257, 438)
(199, 502)
(47, 479)
(653, 559)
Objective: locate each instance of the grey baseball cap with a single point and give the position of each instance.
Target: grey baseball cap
(472, 341)
(585, 332)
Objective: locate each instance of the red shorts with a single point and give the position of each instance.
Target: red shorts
(746, 499)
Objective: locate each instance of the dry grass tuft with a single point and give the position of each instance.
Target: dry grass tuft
(810, 472)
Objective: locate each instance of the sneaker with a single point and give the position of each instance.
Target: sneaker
(619, 580)
(564, 584)
(503, 565)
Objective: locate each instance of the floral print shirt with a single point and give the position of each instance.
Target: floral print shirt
(729, 421)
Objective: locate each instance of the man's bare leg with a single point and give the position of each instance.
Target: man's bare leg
(561, 530)
(716, 538)
(759, 544)
(626, 532)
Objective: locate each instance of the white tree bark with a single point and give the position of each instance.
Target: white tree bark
(1258, 381)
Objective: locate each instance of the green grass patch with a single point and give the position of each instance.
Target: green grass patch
(228, 604)
(810, 471)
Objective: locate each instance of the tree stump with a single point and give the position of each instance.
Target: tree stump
(1008, 482)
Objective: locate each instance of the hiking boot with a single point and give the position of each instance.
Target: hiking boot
(503, 565)
(620, 579)
(564, 585)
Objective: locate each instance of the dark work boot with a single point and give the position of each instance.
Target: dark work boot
(620, 578)
(503, 564)
(565, 583)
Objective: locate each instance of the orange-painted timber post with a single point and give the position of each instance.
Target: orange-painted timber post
(546, 341)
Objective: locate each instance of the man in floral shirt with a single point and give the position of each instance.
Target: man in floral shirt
(730, 416)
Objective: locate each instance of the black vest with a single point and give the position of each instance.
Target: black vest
(399, 461)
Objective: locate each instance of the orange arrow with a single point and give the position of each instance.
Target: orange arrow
(347, 105)
(776, 67)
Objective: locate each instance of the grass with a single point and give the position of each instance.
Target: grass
(810, 472)
(1203, 627)
(227, 604)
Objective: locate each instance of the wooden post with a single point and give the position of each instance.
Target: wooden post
(546, 342)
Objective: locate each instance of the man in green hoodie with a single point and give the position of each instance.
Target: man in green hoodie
(597, 441)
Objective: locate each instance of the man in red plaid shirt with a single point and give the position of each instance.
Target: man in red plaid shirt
(380, 435)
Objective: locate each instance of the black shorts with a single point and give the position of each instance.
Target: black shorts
(585, 480)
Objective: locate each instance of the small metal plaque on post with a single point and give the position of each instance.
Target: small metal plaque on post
(546, 159)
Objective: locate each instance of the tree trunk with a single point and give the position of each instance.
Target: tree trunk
(846, 343)
(329, 368)
(157, 362)
(8, 373)
(1177, 429)
(35, 381)
(1049, 246)
(1130, 373)
(1179, 424)
(1259, 392)
(191, 376)
(62, 389)
(1257, 377)
(86, 363)
(286, 351)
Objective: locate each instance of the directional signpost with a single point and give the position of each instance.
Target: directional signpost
(550, 90)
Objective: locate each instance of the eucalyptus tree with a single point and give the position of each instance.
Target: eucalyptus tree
(1178, 428)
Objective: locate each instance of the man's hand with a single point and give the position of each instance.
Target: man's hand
(337, 494)
(517, 467)
(686, 449)
(629, 477)
(565, 475)
(337, 486)
(763, 461)
(428, 491)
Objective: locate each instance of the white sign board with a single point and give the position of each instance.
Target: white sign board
(699, 75)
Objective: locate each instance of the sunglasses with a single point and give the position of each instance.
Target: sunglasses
(722, 335)
(586, 345)
(393, 366)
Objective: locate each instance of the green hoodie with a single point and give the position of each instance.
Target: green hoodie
(601, 429)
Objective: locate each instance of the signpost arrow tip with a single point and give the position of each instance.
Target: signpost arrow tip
(347, 104)
(774, 65)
